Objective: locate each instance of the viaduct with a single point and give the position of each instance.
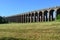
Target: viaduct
(44, 15)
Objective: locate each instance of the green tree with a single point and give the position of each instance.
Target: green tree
(3, 20)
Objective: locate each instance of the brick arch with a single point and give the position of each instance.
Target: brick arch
(21, 18)
(29, 17)
(45, 15)
(24, 18)
(58, 11)
(40, 16)
(51, 15)
(32, 18)
(36, 16)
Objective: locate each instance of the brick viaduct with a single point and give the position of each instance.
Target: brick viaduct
(36, 16)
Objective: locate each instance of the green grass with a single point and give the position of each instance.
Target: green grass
(30, 31)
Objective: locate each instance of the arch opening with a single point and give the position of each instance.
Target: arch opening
(29, 17)
(51, 15)
(45, 15)
(32, 18)
(21, 18)
(36, 17)
(40, 16)
(18, 19)
(58, 13)
(26, 18)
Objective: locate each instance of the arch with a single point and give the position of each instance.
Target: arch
(58, 13)
(45, 15)
(36, 17)
(40, 16)
(21, 18)
(24, 18)
(29, 17)
(32, 19)
(51, 15)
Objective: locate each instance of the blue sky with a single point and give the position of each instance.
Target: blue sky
(13, 7)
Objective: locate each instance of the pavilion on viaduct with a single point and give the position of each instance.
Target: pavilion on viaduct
(43, 15)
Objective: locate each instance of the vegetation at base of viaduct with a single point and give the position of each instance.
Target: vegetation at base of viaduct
(58, 17)
(3, 20)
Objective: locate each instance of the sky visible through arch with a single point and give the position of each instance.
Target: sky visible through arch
(13, 7)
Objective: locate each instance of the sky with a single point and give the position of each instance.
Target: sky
(13, 7)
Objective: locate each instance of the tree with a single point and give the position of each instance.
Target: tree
(0, 19)
(3, 20)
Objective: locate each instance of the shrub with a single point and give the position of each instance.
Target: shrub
(3, 20)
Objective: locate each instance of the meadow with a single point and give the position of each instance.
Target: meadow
(30, 31)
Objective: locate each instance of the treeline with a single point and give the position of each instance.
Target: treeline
(3, 20)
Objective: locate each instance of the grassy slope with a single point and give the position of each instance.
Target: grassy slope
(31, 31)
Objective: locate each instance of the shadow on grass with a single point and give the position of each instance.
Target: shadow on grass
(10, 38)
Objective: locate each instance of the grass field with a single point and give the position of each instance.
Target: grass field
(30, 31)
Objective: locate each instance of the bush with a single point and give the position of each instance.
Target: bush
(58, 17)
(3, 20)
